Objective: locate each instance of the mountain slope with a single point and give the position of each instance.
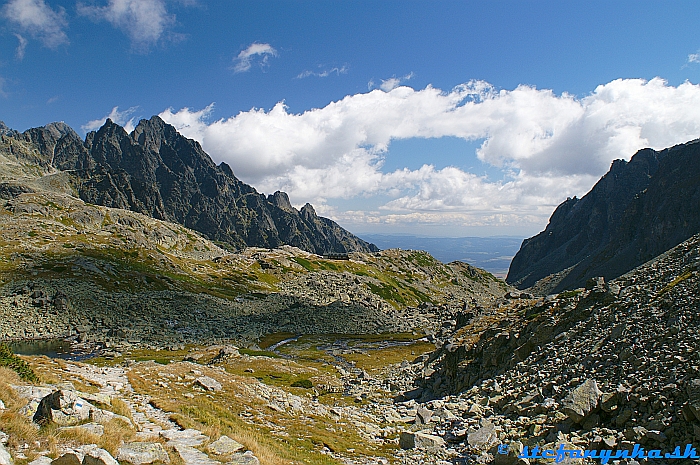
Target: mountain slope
(638, 210)
(69, 268)
(158, 172)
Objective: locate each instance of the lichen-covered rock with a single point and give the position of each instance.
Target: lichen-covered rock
(245, 458)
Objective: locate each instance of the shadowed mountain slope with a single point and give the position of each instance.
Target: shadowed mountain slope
(637, 211)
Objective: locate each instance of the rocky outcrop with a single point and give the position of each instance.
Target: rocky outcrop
(638, 210)
(158, 172)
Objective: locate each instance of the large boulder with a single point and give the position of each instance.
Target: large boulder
(420, 440)
(225, 446)
(63, 407)
(99, 457)
(208, 383)
(581, 401)
(483, 438)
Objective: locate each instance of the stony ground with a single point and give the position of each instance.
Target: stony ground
(607, 367)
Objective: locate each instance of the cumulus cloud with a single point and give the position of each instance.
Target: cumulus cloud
(256, 52)
(145, 21)
(122, 118)
(39, 20)
(324, 72)
(551, 146)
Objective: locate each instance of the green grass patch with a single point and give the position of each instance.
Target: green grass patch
(305, 263)
(302, 383)
(568, 294)
(258, 353)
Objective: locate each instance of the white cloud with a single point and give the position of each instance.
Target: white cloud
(256, 50)
(392, 83)
(39, 20)
(324, 72)
(21, 47)
(145, 21)
(122, 118)
(553, 146)
(694, 58)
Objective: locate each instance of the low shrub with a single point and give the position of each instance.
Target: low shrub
(10, 360)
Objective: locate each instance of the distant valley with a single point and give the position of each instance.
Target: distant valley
(492, 254)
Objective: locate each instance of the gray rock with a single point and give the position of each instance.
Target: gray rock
(420, 440)
(63, 407)
(188, 437)
(608, 401)
(139, 453)
(225, 446)
(5, 458)
(4, 438)
(484, 438)
(245, 458)
(2, 405)
(70, 458)
(192, 456)
(41, 460)
(99, 457)
(209, 384)
(581, 401)
(423, 416)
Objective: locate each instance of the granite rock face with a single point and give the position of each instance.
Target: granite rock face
(637, 211)
(160, 173)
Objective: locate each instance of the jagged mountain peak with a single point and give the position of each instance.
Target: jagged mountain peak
(158, 172)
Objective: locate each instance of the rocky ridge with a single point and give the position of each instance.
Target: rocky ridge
(158, 172)
(637, 211)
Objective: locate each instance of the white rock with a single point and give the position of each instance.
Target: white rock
(5, 458)
(43, 460)
(208, 383)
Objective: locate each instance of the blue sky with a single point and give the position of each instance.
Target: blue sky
(438, 118)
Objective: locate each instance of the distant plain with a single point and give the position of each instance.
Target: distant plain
(492, 254)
